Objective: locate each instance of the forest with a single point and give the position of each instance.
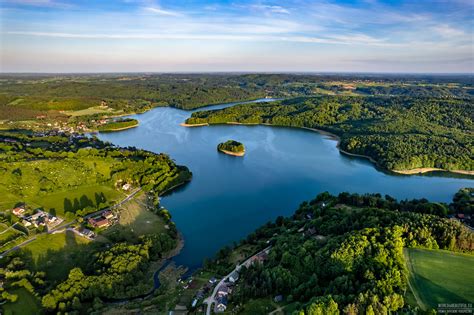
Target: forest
(344, 254)
(29, 96)
(231, 146)
(399, 133)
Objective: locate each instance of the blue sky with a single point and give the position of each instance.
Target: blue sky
(182, 36)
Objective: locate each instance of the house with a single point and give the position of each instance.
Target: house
(221, 305)
(234, 276)
(212, 280)
(88, 233)
(108, 214)
(223, 290)
(26, 223)
(18, 211)
(126, 186)
(99, 223)
(195, 301)
(278, 298)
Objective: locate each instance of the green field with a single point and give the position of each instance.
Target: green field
(438, 276)
(26, 304)
(56, 254)
(92, 111)
(135, 219)
(56, 200)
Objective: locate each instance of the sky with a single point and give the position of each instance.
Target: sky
(435, 36)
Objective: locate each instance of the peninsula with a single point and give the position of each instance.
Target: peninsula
(232, 147)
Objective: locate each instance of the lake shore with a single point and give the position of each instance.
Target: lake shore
(336, 138)
(121, 128)
(422, 170)
(232, 153)
(193, 125)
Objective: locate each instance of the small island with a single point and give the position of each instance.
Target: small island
(232, 147)
(117, 125)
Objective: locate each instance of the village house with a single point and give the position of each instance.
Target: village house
(18, 211)
(108, 214)
(99, 222)
(221, 304)
(234, 276)
(223, 290)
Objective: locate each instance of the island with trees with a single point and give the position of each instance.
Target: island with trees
(231, 147)
(401, 134)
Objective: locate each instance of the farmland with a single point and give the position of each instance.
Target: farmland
(439, 276)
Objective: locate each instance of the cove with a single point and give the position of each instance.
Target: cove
(229, 196)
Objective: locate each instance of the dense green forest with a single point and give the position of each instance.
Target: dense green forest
(28, 96)
(231, 146)
(400, 133)
(344, 253)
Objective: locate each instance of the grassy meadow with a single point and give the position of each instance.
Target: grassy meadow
(26, 304)
(56, 254)
(439, 276)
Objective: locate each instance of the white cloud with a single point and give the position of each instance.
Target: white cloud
(448, 31)
(160, 11)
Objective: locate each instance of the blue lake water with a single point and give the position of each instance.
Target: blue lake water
(229, 197)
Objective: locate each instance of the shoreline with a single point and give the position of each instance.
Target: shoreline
(336, 138)
(119, 129)
(193, 125)
(232, 153)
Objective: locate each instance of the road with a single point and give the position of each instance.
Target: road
(65, 226)
(212, 299)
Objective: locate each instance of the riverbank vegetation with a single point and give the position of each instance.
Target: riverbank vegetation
(399, 133)
(344, 254)
(231, 147)
(119, 124)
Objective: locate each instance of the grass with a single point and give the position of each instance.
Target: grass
(56, 254)
(56, 200)
(258, 306)
(438, 276)
(26, 304)
(91, 111)
(135, 218)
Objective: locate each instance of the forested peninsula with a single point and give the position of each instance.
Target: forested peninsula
(350, 254)
(399, 133)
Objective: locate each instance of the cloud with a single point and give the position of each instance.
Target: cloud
(355, 39)
(160, 11)
(448, 31)
(270, 8)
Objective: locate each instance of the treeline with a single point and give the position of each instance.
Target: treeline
(23, 97)
(400, 133)
(344, 254)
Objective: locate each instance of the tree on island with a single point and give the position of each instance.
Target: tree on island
(231, 146)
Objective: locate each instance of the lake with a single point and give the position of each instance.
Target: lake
(229, 196)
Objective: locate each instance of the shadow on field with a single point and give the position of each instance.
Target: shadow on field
(433, 294)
